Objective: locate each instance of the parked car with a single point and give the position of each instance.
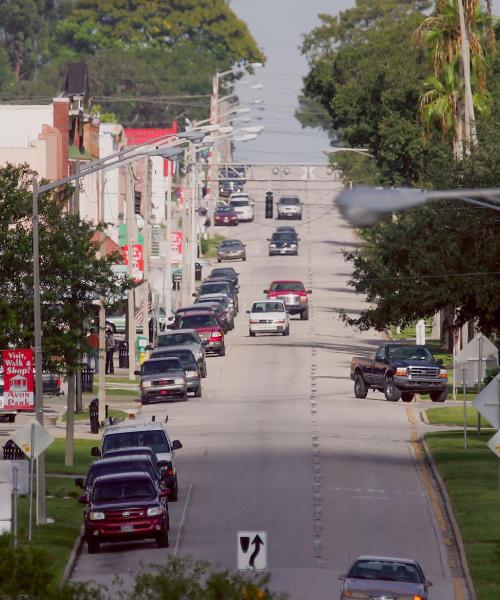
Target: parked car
(189, 364)
(225, 215)
(243, 206)
(289, 207)
(382, 577)
(293, 294)
(144, 434)
(125, 506)
(222, 307)
(208, 328)
(234, 288)
(215, 309)
(218, 287)
(283, 243)
(400, 371)
(188, 338)
(225, 272)
(268, 316)
(162, 379)
(231, 250)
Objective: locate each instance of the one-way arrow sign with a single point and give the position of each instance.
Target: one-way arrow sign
(494, 444)
(487, 402)
(252, 550)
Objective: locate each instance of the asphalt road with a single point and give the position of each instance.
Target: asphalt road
(279, 443)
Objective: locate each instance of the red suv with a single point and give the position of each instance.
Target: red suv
(206, 325)
(125, 506)
(293, 294)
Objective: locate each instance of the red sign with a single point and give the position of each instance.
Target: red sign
(18, 378)
(137, 261)
(176, 246)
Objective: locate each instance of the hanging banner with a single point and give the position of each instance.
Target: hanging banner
(19, 384)
(137, 261)
(176, 246)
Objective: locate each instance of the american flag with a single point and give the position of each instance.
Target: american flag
(139, 311)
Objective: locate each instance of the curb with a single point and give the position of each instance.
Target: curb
(424, 417)
(454, 525)
(75, 551)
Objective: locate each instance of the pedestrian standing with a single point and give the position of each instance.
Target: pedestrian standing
(93, 350)
(110, 348)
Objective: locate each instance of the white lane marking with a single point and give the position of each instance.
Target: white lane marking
(183, 519)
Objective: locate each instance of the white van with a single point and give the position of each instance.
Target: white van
(243, 206)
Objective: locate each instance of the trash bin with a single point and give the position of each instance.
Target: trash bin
(11, 451)
(176, 279)
(87, 379)
(123, 355)
(269, 205)
(94, 415)
(197, 271)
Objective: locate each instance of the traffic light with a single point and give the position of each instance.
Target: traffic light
(269, 205)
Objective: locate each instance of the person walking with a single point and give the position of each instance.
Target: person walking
(110, 348)
(93, 350)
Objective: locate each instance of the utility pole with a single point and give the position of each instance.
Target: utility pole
(186, 233)
(41, 512)
(102, 320)
(131, 293)
(470, 123)
(193, 246)
(167, 289)
(147, 245)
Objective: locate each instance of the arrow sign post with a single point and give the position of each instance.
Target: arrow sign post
(487, 404)
(252, 550)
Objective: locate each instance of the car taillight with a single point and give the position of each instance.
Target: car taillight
(59, 382)
(216, 335)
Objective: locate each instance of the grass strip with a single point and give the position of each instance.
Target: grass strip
(54, 456)
(209, 247)
(84, 416)
(454, 415)
(472, 479)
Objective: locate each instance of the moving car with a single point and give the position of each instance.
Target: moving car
(225, 215)
(293, 294)
(268, 316)
(243, 206)
(208, 328)
(377, 578)
(142, 434)
(231, 250)
(400, 371)
(125, 506)
(189, 364)
(283, 243)
(286, 228)
(289, 207)
(226, 273)
(162, 379)
(188, 338)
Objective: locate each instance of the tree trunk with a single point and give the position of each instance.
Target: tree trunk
(490, 34)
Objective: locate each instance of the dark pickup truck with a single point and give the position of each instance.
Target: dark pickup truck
(400, 371)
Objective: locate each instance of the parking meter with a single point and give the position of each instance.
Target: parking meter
(269, 205)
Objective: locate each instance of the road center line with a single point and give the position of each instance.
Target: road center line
(182, 522)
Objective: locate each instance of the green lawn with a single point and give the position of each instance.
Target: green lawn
(472, 479)
(116, 392)
(84, 416)
(454, 415)
(54, 456)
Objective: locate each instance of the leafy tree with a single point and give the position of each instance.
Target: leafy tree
(71, 276)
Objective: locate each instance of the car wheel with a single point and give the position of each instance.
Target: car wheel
(392, 393)
(219, 260)
(287, 331)
(197, 392)
(251, 333)
(185, 396)
(174, 492)
(144, 402)
(93, 546)
(245, 258)
(407, 396)
(222, 352)
(162, 539)
(360, 389)
(439, 396)
(12, 418)
(304, 315)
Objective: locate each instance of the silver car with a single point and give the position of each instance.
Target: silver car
(162, 379)
(384, 578)
(289, 207)
(188, 338)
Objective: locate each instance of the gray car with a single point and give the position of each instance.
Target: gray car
(188, 338)
(384, 578)
(289, 207)
(162, 379)
(231, 250)
(189, 364)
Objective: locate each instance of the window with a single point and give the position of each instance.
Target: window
(380, 356)
(195, 321)
(155, 439)
(289, 201)
(288, 286)
(124, 490)
(150, 367)
(185, 356)
(177, 339)
(409, 352)
(385, 570)
(263, 307)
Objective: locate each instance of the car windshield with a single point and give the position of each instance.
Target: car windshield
(150, 367)
(223, 273)
(225, 209)
(221, 301)
(409, 352)
(289, 201)
(385, 570)
(262, 307)
(178, 339)
(185, 356)
(287, 286)
(283, 237)
(214, 288)
(195, 321)
(154, 439)
(122, 466)
(129, 489)
(240, 202)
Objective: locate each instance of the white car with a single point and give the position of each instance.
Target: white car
(243, 206)
(268, 316)
(289, 207)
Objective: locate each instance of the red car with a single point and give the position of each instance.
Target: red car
(207, 326)
(294, 295)
(125, 506)
(225, 215)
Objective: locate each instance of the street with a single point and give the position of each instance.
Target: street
(278, 443)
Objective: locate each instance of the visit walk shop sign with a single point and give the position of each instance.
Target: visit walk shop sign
(19, 384)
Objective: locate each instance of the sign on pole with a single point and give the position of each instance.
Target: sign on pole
(33, 439)
(19, 384)
(487, 402)
(176, 246)
(494, 444)
(252, 550)
(137, 261)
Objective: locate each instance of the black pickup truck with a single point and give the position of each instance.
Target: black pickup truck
(400, 371)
